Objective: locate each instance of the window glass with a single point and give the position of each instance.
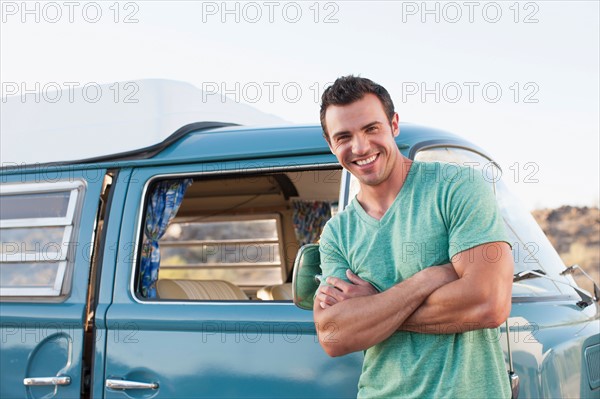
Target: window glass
(30, 238)
(539, 253)
(28, 275)
(29, 206)
(526, 255)
(36, 224)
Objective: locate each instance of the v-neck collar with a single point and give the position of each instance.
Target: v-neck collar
(404, 191)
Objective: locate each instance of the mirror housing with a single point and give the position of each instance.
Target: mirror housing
(306, 276)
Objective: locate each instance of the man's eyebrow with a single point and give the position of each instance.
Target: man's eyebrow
(365, 127)
(340, 133)
(368, 125)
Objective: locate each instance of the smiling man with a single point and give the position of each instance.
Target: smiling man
(409, 275)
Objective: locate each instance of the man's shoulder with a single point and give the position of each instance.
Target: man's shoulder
(342, 216)
(340, 219)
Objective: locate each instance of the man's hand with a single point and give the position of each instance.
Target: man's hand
(362, 317)
(338, 290)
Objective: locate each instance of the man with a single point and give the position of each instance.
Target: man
(418, 269)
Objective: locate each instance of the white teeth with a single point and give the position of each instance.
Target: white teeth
(366, 161)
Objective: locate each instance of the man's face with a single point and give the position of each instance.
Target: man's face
(362, 139)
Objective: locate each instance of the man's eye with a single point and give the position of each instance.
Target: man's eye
(372, 129)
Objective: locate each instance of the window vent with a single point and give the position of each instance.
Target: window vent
(37, 223)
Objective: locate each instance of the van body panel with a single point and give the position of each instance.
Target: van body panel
(542, 354)
(224, 350)
(112, 229)
(216, 349)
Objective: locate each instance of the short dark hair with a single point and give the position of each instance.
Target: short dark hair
(348, 89)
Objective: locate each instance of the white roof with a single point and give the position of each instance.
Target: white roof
(37, 130)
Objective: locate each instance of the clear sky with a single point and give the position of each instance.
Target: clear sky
(520, 79)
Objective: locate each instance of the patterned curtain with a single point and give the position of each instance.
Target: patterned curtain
(162, 208)
(309, 219)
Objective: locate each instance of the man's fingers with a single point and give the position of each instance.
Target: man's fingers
(324, 296)
(360, 287)
(338, 283)
(333, 292)
(354, 278)
(326, 300)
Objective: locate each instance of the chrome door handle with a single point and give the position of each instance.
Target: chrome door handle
(37, 381)
(124, 384)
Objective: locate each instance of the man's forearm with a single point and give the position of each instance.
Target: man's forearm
(447, 310)
(359, 323)
(480, 298)
(458, 307)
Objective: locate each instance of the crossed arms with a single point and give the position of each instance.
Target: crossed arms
(471, 292)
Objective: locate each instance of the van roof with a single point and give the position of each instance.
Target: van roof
(214, 141)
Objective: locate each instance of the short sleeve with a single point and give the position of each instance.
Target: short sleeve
(475, 218)
(333, 263)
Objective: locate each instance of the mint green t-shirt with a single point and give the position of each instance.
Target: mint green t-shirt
(440, 211)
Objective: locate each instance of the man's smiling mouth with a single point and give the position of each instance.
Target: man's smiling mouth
(367, 161)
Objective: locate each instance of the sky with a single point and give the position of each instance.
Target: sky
(519, 79)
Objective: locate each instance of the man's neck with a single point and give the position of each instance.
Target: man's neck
(376, 200)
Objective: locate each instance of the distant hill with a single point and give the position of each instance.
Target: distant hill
(147, 112)
(575, 233)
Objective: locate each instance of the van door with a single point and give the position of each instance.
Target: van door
(47, 222)
(175, 346)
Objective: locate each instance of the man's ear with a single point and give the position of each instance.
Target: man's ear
(395, 124)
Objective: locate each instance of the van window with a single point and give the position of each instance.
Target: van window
(230, 237)
(531, 249)
(37, 223)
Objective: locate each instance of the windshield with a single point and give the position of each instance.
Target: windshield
(531, 248)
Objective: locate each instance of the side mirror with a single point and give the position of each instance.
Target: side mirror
(306, 276)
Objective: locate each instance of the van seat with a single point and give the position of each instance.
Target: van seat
(199, 290)
(278, 292)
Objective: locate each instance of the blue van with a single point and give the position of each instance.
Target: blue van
(166, 270)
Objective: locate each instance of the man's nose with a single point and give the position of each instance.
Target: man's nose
(360, 144)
